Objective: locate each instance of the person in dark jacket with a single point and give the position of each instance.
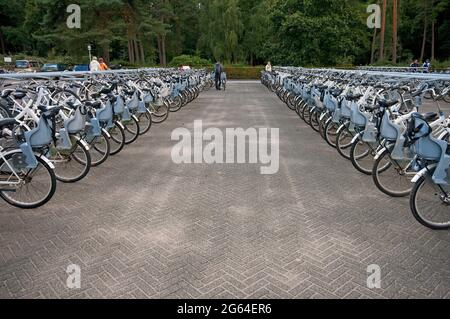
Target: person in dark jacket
(414, 65)
(218, 69)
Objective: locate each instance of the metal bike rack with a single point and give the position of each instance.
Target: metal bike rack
(398, 75)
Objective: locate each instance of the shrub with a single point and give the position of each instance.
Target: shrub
(244, 73)
(191, 60)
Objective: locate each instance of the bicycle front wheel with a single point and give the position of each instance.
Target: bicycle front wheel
(117, 140)
(362, 155)
(71, 165)
(132, 130)
(27, 188)
(145, 122)
(430, 204)
(392, 177)
(344, 142)
(100, 149)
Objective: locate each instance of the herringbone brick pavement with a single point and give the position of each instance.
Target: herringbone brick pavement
(142, 227)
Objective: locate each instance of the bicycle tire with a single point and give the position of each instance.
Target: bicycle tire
(117, 140)
(86, 163)
(132, 130)
(145, 122)
(414, 209)
(43, 201)
(378, 169)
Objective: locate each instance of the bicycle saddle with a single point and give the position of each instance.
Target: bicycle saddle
(95, 105)
(129, 92)
(112, 98)
(19, 95)
(106, 90)
(71, 105)
(387, 103)
(337, 92)
(49, 112)
(352, 97)
(416, 93)
(7, 123)
(429, 116)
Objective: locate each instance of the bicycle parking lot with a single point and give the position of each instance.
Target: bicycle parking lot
(142, 226)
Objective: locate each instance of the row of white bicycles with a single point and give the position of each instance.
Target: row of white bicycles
(57, 127)
(378, 121)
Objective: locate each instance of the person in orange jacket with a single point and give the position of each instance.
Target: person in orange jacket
(103, 66)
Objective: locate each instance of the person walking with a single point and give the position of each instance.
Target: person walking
(218, 69)
(414, 65)
(269, 67)
(94, 66)
(427, 66)
(103, 66)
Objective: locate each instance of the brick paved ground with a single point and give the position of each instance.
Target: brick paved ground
(141, 226)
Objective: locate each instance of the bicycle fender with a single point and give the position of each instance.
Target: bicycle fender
(46, 160)
(342, 127)
(443, 135)
(120, 125)
(422, 173)
(135, 118)
(42, 157)
(106, 133)
(357, 136)
(380, 152)
(83, 143)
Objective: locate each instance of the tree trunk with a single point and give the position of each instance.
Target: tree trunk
(425, 30)
(383, 30)
(136, 49)
(372, 52)
(131, 51)
(106, 53)
(141, 49)
(433, 39)
(158, 39)
(394, 31)
(163, 50)
(2, 43)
